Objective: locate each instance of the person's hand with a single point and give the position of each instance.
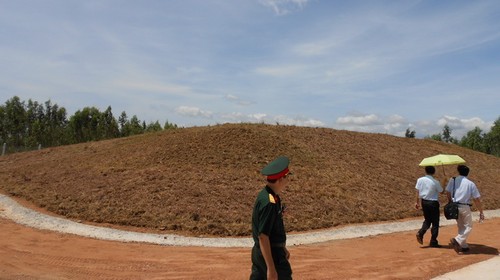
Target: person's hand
(481, 217)
(272, 274)
(417, 206)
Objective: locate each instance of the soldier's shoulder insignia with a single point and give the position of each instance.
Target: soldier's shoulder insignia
(271, 199)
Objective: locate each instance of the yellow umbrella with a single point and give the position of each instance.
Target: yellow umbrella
(441, 160)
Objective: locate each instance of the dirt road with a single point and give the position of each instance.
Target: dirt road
(26, 253)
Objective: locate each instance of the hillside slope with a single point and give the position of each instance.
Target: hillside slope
(203, 180)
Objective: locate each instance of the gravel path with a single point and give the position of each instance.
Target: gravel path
(12, 210)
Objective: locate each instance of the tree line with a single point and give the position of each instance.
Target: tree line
(476, 139)
(27, 125)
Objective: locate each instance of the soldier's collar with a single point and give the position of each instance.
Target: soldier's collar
(270, 190)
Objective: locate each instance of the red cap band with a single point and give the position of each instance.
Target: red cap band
(278, 175)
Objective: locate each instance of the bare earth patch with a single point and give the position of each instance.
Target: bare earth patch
(26, 253)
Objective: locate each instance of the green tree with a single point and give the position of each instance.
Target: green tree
(436, 137)
(154, 127)
(135, 126)
(447, 134)
(35, 123)
(3, 128)
(123, 122)
(15, 122)
(85, 126)
(110, 125)
(410, 134)
(60, 127)
(169, 125)
(55, 124)
(474, 140)
(28, 125)
(492, 139)
(130, 127)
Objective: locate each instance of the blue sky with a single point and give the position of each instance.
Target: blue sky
(373, 66)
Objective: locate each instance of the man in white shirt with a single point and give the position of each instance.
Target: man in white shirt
(461, 190)
(428, 190)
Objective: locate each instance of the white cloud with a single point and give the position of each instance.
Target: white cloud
(460, 127)
(397, 125)
(284, 7)
(279, 71)
(237, 100)
(394, 124)
(402, 57)
(396, 119)
(298, 121)
(259, 117)
(193, 112)
(278, 119)
(231, 97)
(151, 86)
(312, 48)
(240, 117)
(359, 120)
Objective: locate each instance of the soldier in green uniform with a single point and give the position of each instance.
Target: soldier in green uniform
(269, 253)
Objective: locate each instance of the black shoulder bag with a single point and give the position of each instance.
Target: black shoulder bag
(451, 209)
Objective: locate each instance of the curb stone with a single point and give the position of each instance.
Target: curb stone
(12, 210)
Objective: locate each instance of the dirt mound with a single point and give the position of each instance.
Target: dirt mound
(203, 180)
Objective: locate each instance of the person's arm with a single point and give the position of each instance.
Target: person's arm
(444, 183)
(448, 194)
(417, 204)
(440, 189)
(265, 248)
(479, 206)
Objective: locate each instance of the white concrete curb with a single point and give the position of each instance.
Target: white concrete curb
(12, 210)
(486, 270)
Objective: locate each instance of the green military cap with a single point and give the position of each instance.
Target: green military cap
(276, 168)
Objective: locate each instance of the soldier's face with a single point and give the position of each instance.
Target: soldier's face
(283, 182)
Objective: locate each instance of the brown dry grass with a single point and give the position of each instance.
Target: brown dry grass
(203, 180)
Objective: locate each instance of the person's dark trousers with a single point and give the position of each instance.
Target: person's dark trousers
(431, 217)
(259, 267)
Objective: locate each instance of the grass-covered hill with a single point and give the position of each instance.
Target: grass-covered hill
(203, 180)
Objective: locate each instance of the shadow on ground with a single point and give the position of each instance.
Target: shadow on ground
(478, 249)
(475, 249)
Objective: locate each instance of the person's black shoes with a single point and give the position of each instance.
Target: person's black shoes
(456, 246)
(420, 239)
(435, 245)
(464, 250)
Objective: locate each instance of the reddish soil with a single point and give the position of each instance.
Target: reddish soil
(203, 180)
(26, 253)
